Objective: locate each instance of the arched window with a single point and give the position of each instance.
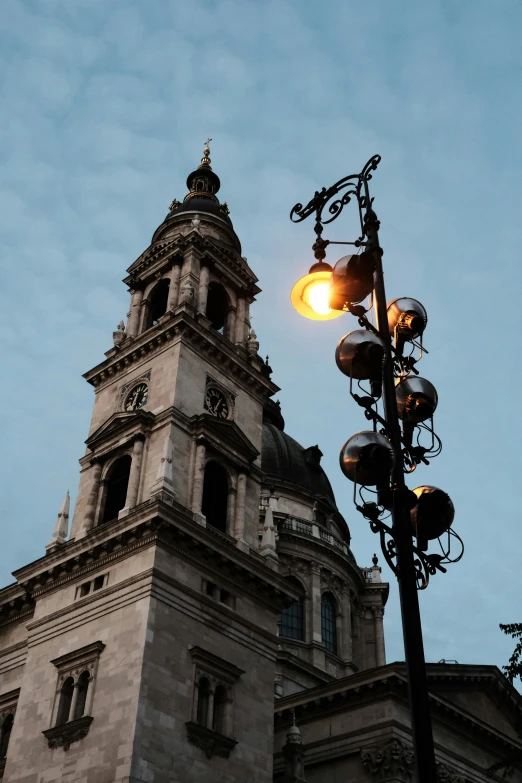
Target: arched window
(217, 306)
(290, 622)
(203, 699)
(83, 687)
(220, 706)
(5, 734)
(158, 299)
(215, 496)
(328, 630)
(116, 491)
(64, 706)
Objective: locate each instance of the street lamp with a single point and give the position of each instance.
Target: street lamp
(385, 356)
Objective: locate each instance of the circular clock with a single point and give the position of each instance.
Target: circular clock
(216, 403)
(137, 398)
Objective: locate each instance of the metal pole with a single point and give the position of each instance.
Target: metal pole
(402, 533)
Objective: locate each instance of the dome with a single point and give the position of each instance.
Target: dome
(287, 462)
(200, 204)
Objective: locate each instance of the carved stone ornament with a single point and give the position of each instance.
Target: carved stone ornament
(187, 292)
(445, 774)
(391, 761)
(64, 735)
(210, 742)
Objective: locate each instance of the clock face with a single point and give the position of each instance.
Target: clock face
(137, 397)
(216, 403)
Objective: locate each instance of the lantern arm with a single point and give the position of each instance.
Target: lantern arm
(350, 186)
(425, 564)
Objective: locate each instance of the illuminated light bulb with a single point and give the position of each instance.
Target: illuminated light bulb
(316, 294)
(310, 294)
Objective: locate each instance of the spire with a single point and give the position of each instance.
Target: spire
(268, 540)
(61, 527)
(293, 753)
(203, 183)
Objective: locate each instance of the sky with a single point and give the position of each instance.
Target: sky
(105, 109)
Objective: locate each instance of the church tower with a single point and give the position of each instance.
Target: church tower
(144, 647)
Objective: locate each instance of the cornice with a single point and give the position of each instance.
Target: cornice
(179, 326)
(155, 523)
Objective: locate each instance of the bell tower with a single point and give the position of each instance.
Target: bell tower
(151, 650)
(179, 398)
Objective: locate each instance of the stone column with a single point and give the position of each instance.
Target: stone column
(231, 510)
(231, 324)
(197, 485)
(346, 641)
(145, 307)
(92, 503)
(240, 322)
(210, 710)
(74, 700)
(174, 287)
(89, 696)
(316, 604)
(380, 654)
(239, 528)
(133, 321)
(135, 475)
(204, 277)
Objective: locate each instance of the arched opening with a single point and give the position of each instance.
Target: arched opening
(328, 630)
(117, 482)
(83, 687)
(220, 706)
(5, 735)
(290, 622)
(158, 299)
(64, 706)
(203, 700)
(215, 496)
(217, 306)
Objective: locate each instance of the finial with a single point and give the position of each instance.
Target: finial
(205, 160)
(375, 559)
(293, 735)
(61, 527)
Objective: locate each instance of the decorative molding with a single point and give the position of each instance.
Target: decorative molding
(210, 742)
(207, 662)
(63, 736)
(79, 657)
(391, 760)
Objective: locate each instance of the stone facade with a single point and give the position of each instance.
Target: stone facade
(207, 569)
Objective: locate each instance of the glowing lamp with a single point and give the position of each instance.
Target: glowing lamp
(310, 294)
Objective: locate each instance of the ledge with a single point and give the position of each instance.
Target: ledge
(210, 742)
(62, 736)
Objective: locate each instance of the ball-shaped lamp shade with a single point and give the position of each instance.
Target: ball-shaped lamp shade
(352, 280)
(360, 355)
(407, 316)
(367, 458)
(417, 399)
(310, 294)
(433, 514)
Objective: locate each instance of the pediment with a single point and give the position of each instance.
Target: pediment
(225, 436)
(119, 423)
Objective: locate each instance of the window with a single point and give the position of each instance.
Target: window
(217, 306)
(220, 704)
(64, 706)
(5, 734)
(211, 726)
(8, 703)
(215, 496)
(73, 703)
(117, 481)
(158, 299)
(328, 631)
(203, 701)
(90, 587)
(290, 622)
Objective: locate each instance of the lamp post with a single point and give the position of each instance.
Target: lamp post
(381, 458)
